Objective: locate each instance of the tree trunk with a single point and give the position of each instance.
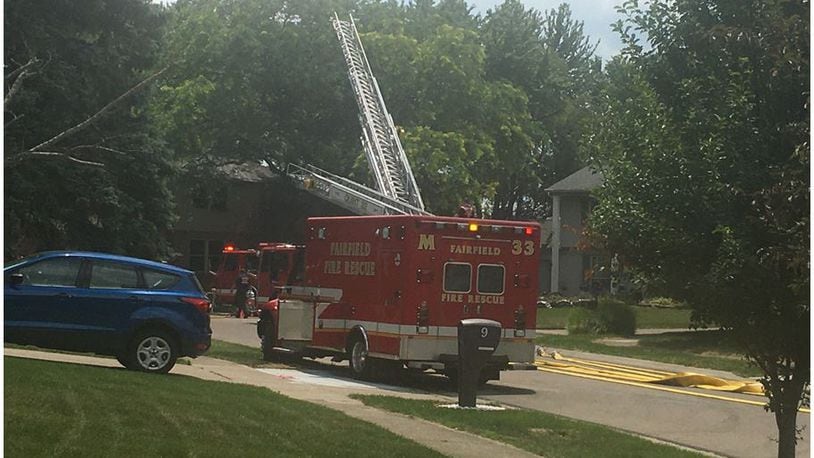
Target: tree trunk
(785, 414)
(787, 432)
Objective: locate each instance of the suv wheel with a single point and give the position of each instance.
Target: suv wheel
(153, 351)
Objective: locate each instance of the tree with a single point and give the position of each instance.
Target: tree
(548, 58)
(257, 80)
(76, 134)
(703, 141)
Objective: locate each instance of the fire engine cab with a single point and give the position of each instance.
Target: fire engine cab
(389, 291)
(280, 264)
(231, 262)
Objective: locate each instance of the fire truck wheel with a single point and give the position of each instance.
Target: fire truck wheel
(360, 363)
(267, 342)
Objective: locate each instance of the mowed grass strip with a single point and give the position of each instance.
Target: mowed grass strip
(58, 409)
(537, 432)
(701, 349)
(237, 353)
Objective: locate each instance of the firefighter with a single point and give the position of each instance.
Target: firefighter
(242, 286)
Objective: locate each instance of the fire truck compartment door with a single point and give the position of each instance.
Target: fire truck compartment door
(296, 320)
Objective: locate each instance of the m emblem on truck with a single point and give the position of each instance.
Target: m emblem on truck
(426, 242)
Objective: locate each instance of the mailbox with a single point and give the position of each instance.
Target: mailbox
(477, 340)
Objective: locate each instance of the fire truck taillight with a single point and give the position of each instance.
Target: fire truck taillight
(520, 322)
(422, 316)
(529, 230)
(228, 248)
(473, 227)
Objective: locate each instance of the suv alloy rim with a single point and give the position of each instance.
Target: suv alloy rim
(153, 353)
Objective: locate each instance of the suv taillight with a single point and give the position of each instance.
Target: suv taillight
(203, 305)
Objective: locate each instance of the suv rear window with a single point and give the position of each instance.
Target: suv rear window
(159, 280)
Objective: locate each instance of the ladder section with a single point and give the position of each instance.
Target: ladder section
(391, 169)
(348, 194)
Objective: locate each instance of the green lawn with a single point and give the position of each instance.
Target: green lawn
(646, 318)
(57, 409)
(703, 349)
(241, 354)
(540, 433)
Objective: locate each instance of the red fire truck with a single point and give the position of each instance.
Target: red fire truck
(232, 260)
(389, 291)
(279, 264)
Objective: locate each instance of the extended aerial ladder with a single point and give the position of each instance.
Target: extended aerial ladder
(397, 192)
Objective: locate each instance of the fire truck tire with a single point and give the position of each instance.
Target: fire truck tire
(360, 364)
(267, 342)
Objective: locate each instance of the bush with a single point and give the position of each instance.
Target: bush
(616, 317)
(663, 302)
(611, 316)
(583, 321)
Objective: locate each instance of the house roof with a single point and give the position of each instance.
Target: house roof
(583, 180)
(251, 172)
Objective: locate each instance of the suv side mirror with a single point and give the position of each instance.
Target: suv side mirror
(17, 279)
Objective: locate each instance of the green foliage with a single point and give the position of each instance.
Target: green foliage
(266, 80)
(703, 140)
(616, 317)
(582, 320)
(102, 186)
(611, 316)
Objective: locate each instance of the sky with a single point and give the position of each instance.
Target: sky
(596, 15)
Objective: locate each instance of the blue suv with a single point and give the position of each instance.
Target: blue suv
(146, 314)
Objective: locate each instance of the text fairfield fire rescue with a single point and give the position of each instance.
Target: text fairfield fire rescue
(339, 267)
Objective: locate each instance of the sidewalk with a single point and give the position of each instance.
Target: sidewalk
(444, 440)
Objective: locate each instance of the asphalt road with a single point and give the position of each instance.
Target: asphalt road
(718, 426)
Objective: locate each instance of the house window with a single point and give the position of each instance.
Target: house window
(210, 197)
(204, 255)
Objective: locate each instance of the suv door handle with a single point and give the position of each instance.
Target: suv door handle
(136, 298)
(65, 295)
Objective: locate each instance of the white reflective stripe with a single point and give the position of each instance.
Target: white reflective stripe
(406, 329)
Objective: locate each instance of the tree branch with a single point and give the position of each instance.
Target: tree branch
(54, 154)
(99, 113)
(22, 73)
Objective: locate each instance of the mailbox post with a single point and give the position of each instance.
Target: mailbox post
(477, 340)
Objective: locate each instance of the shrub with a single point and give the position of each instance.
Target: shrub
(616, 317)
(582, 321)
(611, 316)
